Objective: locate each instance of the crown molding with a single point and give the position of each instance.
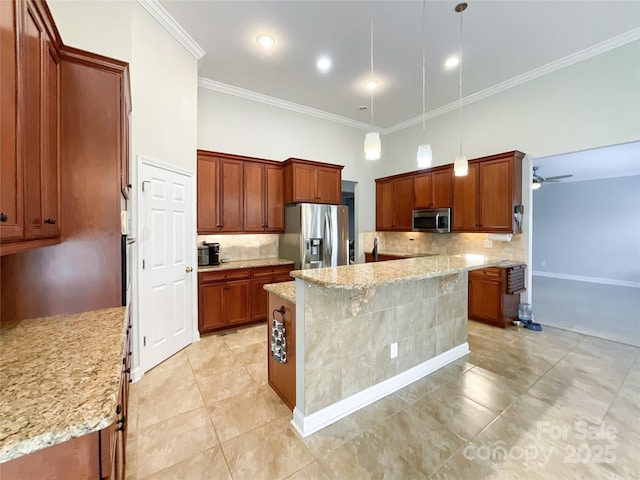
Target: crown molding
(170, 24)
(278, 102)
(602, 47)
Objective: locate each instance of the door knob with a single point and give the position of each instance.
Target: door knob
(188, 269)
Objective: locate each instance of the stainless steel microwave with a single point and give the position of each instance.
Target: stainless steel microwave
(435, 220)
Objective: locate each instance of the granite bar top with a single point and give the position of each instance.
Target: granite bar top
(406, 254)
(59, 378)
(286, 290)
(366, 275)
(258, 262)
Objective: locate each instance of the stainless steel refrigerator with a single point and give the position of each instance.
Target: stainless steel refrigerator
(315, 235)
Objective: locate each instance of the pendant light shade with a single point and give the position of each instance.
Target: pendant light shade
(424, 156)
(372, 143)
(460, 166)
(460, 163)
(372, 146)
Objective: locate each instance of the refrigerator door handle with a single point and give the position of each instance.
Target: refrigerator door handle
(328, 234)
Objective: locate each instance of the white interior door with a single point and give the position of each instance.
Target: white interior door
(168, 276)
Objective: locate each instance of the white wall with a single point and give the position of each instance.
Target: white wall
(589, 104)
(589, 229)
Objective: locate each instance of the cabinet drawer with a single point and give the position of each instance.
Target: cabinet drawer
(494, 272)
(258, 272)
(207, 277)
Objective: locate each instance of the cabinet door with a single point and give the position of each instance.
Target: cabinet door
(304, 183)
(275, 199)
(32, 95)
(210, 306)
(11, 200)
(230, 188)
(423, 191)
(236, 301)
(485, 296)
(403, 203)
(442, 188)
(384, 205)
(207, 184)
(329, 185)
(465, 201)
(51, 156)
(496, 195)
(259, 298)
(254, 197)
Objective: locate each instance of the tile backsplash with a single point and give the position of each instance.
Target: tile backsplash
(448, 243)
(244, 247)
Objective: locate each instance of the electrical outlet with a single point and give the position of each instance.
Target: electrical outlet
(394, 350)
(488, 243)
(543, 263)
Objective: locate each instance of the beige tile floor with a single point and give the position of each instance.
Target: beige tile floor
(522, 405)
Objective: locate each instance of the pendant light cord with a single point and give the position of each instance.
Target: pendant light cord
(423, 74)
(372, 72)
(460, 83)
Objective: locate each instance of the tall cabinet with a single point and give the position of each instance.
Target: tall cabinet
(30, 100)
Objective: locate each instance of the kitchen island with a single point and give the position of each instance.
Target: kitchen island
(364, 331)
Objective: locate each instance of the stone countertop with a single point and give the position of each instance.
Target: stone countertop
(286, 290)
(59, 378)
(366, 275)
(259, 262)
(406, 254)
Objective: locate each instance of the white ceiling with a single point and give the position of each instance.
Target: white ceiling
(501, 40)
(606, 162)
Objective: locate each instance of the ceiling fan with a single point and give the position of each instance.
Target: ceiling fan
(539, 180)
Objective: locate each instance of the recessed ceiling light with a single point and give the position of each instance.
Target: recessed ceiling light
(371, 85)
(323, 64)
(265, 41)
(452, 62)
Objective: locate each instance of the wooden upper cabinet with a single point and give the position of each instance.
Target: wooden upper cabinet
(465, 201)
(312, 182)
(263, 197)
(220, 194)
(394, 203)
(207, 198)
(239, 194)
(275, 198)
(30, 207)
(433, 189)
(329, 185)
(486, 198)
(11, 181)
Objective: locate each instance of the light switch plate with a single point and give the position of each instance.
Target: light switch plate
(394, 350)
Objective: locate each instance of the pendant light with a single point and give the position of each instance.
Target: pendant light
(460, 163)
(424, 156)
(372, 144)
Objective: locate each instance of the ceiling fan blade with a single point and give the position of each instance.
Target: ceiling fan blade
(556, 178)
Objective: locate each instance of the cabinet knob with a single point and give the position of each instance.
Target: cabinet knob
(50, 221)
(118, 409)
(3, 217)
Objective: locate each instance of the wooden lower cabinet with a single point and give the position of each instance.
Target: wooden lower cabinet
(236, 297)
(282, 376)
(493, 296)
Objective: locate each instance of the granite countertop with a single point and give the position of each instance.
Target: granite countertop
(366, 275)
(406, 254)
(286, 290)
(258, 262)
(59, 378)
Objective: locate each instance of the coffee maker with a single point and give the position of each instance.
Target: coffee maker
(214, 252)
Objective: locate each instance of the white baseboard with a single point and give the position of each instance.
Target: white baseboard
(582, 278)
(306, 425)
